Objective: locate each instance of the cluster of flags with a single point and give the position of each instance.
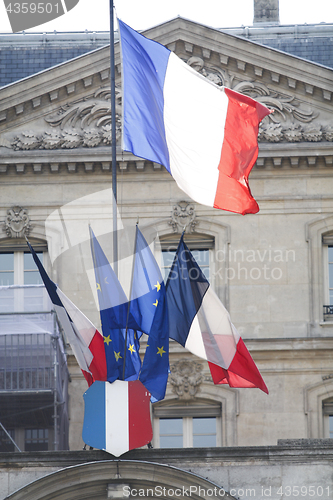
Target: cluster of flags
(186, 310)
(206, 137)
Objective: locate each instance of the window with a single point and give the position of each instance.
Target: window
(5, 443)
(200, 255)
(187, 432)
(200, 246)
(328, 277)
(171, 432)
(204, 432)
(18, 268)
(36, 439)
(187, 426)
(328, 417)
(328, 309)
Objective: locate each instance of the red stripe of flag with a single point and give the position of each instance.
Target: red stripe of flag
(242, 371)
(139, 423)
(239, 154)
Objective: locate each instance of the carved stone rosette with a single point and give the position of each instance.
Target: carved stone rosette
(185, 378)
(183, 217)
(17, 222)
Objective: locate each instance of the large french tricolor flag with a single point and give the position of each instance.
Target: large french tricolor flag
(206, 136)
(85, 340)
(117, 416)
(199, 321)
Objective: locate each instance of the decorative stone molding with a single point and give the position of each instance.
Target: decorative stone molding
(183, 217)
(285, 124)
(17, 222)
(85, 123)
(185, 378)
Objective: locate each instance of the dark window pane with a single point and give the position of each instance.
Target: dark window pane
(32, 278)
(330, 254)
(204, 431)
(6, 262)
(201, 257)
(171, 432)
(31, 273)
(330, 271)
(171, 441)
(36, 439)
(330, 418)
(171, 426)
(6, 278)
(204, 441)
(6, 269)
(29, 262)
(5, 443)
(202, 425)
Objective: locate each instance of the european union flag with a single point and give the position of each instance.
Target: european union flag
(113, 306)
(149, 309)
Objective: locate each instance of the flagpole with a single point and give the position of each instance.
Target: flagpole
(129, 300)
(113, 143)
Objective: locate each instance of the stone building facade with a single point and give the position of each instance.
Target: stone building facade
(272, 270)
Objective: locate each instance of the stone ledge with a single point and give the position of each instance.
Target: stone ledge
(305, 442)
(289, 450)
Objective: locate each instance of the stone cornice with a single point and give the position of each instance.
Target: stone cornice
(286, 156)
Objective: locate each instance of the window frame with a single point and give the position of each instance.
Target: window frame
(327, 405)
(319, 234)
(19, 249)
(186, 412)
(194, 242)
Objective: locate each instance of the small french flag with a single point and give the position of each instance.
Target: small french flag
(117, 416)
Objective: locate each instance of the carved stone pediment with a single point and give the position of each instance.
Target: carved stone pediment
(185, 378)
(71, 108)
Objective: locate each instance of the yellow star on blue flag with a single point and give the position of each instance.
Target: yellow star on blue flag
(161, 351)
(107, 340)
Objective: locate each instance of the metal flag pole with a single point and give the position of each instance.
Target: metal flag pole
(130, 298)
(113, 142)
